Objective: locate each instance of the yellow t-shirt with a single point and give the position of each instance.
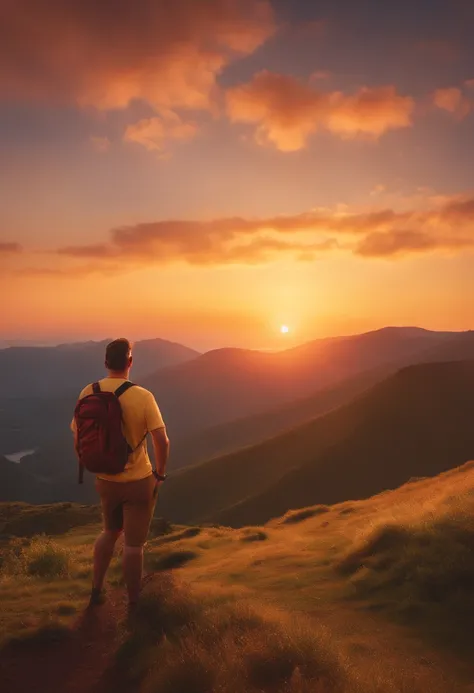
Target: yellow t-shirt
(140, 416)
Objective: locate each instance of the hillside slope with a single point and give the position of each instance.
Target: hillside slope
(416, 423)
(227, 384)
(341, 599)
(250, 430)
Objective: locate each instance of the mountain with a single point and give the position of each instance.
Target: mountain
(457, 347)
(231, 436)
(416, 423)
(228, 384)
(28, 371)
(16, 484)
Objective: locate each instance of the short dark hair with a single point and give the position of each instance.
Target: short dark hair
(117, 354)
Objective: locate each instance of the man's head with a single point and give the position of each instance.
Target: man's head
(118, 356)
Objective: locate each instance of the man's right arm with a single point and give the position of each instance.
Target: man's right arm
(156, 426)
(161, 447)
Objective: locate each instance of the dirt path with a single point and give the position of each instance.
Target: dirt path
(75, 664)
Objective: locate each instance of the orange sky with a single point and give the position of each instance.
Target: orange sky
(206, 172)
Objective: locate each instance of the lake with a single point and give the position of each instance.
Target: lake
(18, 456)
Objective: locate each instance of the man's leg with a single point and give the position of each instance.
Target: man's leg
(137, 511)
(133, 571)
(112, 512)
(103, 552)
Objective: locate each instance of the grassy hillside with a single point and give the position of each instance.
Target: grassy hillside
(416, 423)
(228, 437)
(350, 598)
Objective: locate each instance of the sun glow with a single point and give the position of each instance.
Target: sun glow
(284, 329)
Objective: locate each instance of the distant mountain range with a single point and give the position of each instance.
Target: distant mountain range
(54, 371)
(214, 404)
(418, 422)
(227, 384)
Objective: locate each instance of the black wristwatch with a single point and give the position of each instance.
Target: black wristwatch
(159, 477)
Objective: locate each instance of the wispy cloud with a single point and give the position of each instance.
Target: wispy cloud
(385, 232)
(454, 101)
(286, 111)
(10, 248)
(155, 133)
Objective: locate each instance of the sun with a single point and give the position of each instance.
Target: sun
(284, 329)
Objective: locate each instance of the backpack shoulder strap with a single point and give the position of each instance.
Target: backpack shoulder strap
(96, 388)
(123, 388)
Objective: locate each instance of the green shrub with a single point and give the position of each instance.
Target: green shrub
(44, 558)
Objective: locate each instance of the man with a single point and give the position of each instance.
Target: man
(128, 498)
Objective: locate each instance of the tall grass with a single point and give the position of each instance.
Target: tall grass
(423, 572)
(41, 557)
(183, 642)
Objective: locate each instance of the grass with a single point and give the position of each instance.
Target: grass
(250, 534)
(40, 557)
(184, 641)
(170, 560)
(251, 620)
(295, 516)
(423, 572)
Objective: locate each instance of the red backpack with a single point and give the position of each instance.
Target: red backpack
(101, 444)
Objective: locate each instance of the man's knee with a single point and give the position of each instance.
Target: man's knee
(133, 549)
(109, 536)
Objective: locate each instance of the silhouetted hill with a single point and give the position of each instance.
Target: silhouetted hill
(16, 484)
(214, 391)
(228, 437)
(54, 371)
(227, 384)
(416, 423)
(457, 347)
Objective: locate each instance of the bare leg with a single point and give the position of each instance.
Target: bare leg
(132, 571)
(103, 552)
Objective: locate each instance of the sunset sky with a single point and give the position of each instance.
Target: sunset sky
(208, 170)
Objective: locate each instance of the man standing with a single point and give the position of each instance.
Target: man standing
(128, 496)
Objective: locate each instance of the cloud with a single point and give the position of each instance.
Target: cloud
(155, 133)
(10, 248)
(378, 189)
(447, 226)
(394, 243)
(453, 100)
(286, 111)
(106, 54)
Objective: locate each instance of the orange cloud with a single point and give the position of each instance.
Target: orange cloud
(453, 101)
(394, 243)
(446, 226)
(155, 133)
(287, 111)
(10, 248)
(105, 54)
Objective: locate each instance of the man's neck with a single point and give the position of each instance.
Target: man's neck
(123, 375)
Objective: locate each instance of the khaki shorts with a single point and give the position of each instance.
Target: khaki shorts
(128, 506)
